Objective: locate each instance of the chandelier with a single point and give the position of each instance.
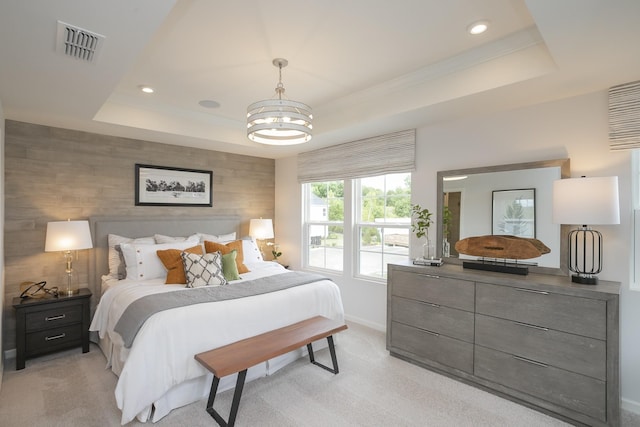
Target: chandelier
(279, 121)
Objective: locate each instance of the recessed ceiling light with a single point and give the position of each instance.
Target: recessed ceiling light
(208, 103)
(146, 89)
(478, 27)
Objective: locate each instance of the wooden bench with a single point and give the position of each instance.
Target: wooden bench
(241, 355)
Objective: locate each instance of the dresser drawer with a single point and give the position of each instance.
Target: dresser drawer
(429, 346)
(437, 290)
(54, 317)
(576, 315)
(570, 390)
(433, 317)
(575, 353)
(53, 339)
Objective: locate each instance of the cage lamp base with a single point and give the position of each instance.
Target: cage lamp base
(584, 280)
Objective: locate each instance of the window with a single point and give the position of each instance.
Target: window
(383, 221)
(324, 224)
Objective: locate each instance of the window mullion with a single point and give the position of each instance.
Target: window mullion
(349, 216)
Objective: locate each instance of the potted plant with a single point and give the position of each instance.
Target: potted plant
(275, 251)
(421, 221)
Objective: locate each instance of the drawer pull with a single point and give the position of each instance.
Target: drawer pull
(430, 276)
(532, 291)
(55, 337)
(540, 328)
(434, 305)
(49, 319)
(532, 362)
(435, 334)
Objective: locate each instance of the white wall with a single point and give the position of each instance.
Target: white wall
(576, 128)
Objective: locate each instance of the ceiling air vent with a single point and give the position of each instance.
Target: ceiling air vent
(78, 43)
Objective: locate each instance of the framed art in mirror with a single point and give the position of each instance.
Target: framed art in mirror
(513, 212)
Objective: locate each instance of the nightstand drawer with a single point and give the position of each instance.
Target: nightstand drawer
(52, 339)
(44, 325)
(59, 315)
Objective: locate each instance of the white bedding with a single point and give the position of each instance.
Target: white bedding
(159, 371)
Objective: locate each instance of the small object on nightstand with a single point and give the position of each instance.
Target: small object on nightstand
(49, 324)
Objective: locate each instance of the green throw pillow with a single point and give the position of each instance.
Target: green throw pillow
(229, 266)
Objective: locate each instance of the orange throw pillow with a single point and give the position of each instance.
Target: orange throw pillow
(173, 263)
(225, 249)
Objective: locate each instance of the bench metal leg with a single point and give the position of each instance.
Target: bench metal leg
(332, 350)
(235, 404)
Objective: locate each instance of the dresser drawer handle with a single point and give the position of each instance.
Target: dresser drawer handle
(55, 337)
(532, 291)
(532, 362)
(49, 319)
(430, 276)
(434, 305)
(540, 328)
(435, 334)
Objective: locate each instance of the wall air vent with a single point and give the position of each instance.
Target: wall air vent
(78, 43)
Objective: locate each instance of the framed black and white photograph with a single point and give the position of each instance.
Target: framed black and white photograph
(166, 186)
(514, 212)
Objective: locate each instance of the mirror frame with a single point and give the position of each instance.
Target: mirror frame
(563, 164)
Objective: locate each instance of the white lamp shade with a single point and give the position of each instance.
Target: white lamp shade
(68, 236)
(261, 228)
(586, 201)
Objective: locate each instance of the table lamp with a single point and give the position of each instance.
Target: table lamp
(261, 229)
(67, 236)
(585, 201)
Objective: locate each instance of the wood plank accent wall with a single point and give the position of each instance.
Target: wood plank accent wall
(52, 174)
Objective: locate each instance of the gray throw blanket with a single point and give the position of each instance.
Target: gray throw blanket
(141, 309)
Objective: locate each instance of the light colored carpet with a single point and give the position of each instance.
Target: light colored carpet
(372, 389)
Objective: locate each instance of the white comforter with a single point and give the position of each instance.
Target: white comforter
(159, 370)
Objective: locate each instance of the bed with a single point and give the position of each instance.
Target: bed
(156, 368)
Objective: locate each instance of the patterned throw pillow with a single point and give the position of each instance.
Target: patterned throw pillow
(203, 270)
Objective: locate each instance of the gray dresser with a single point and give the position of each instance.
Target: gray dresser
(537, 339)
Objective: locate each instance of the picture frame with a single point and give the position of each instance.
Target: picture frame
(514, 212)
(168, 186)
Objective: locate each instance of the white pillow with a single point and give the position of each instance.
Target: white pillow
(160, 238)
(116, 264)
(142, 260)
(203, 270)
(222, 238)
(250, 250)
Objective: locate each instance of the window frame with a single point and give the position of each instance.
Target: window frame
(358, 225)
(307, 223)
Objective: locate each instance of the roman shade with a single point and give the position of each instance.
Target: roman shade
(379, 155)
(624, 116)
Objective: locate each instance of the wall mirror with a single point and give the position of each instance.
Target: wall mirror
(469, 197)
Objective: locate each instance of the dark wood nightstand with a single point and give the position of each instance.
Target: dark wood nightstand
(45, 325)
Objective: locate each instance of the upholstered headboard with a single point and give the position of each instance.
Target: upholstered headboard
(134, 227)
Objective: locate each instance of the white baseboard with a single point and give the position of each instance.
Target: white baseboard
(630, 405)
(376, 326)
(10, 354)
